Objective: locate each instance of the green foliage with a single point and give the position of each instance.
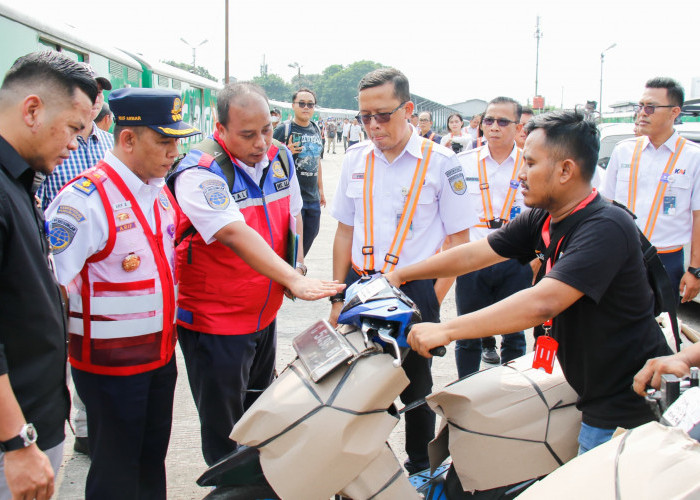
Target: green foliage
(199, 70)
(275, 87)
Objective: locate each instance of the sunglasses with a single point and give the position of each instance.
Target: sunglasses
(379, 117)
(502, 122)
(650, 108)
(303, 104)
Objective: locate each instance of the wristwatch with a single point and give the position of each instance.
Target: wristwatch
(695, 271)
(302, 267)
(26, 437)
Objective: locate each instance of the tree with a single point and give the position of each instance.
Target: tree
(199, 70)
(275, 87)
(340, 89)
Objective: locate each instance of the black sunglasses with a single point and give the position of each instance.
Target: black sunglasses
(502, 122)
(380, 117)
(650, 108)
(303, 104)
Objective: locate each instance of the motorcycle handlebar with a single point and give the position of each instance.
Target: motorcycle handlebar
(440, 350)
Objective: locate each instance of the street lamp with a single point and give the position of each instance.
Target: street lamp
(600, 97)
(296, 66)
(194, 50)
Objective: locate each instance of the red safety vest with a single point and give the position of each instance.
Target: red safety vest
(219, 293)
(122, 304)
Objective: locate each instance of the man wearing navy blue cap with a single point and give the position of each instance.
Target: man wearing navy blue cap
(112, 232)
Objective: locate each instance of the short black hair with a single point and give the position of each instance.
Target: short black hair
(430, 115)
(103, 112)
(508, 100)
(387, 75)
(294, 97)
(570, 135)
(230, 93)
(526, 111)
(674, 91)
(457, 115)
(50, 68)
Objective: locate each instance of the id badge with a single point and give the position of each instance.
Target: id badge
(410, 228)
(514, 212)
(669, 205)
(545, 353)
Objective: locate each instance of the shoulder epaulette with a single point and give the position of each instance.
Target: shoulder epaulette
(84, 186)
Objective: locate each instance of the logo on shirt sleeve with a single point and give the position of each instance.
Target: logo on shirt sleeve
(61, 235)
(457, 183)
(73, 212)
(216, 194)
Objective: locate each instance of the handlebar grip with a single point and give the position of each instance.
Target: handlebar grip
(438, 351)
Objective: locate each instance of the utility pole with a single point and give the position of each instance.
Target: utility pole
(263, 67)
(538, 35)
(226, 75)
(600, 97)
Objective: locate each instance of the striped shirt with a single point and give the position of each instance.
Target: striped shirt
(88, 154)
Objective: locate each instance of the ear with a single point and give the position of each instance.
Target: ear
(220, 129)
(567, 170)
(675, 112)
(519, 128)
(32, 108)
(409, 109)
(127, 140)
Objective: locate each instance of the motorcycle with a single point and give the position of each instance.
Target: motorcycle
(321, 428)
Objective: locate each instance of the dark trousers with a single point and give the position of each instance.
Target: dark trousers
(339, 135)
(311, 218)
(129, 420)
(226, 375)
(480, 289)
(420, 422)
(673, 262)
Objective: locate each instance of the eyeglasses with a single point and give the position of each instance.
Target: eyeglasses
(502, 122)
(650, 108)
(303, 104)
(379, 117)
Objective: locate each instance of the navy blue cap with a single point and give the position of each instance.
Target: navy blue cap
(158, 109)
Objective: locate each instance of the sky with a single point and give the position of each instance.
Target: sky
(450, 50)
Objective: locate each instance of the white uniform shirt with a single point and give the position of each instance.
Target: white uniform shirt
(192, 185)
(498, 177)
(354, 133)
(87, 214)
(441, 208)
(674, 225)
(346, 129)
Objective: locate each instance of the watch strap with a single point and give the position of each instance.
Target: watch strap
(695, 271)
(16, 443)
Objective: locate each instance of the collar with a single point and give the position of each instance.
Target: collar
(14, 164)
(135, 185)
(412, 147)
(258, 166)
(670, 143)
(513, 153)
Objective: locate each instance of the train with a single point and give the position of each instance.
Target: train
(21, 33)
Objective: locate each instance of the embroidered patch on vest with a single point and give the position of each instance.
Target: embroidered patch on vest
(126, 227)
(62, 234)
(164, 201)
(240, 195)
(279, 186)
(277, 170)
(73, 212)
(216, 194)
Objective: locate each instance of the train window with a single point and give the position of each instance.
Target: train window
(116, 69)
(177, 84)
(132, 75)
(73, 54)
(163, 81)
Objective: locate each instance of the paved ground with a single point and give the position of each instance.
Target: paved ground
(184, 462)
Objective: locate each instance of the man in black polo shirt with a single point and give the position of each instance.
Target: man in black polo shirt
(45, 101)
(595, 288)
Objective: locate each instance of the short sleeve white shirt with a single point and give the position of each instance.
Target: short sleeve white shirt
(442, 208)
(499, 178)
(674, 224)
(87, 215)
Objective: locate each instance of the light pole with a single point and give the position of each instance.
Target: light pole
(194, 50)
(226, 75)
(297, 66)
(600, 97)
(538, 36)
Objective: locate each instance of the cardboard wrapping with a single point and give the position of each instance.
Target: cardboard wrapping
(383, 479)
(506, 424)
(315, 438)
(648, 462)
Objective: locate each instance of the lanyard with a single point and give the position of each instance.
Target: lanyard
(660, 189)
(409, 209)
(489, 220)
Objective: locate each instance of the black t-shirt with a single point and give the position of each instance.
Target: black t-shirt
(306, 162)
(607, 335)
(32, 332)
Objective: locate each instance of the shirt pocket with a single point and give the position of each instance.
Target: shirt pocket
(622, 184)
(426, 208)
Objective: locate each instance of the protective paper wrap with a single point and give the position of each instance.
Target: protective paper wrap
(383, 479)
(314, 439)
(506, 424)
(648, 462)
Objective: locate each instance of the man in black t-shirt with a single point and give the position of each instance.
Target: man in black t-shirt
(595, 288)
(303, 138)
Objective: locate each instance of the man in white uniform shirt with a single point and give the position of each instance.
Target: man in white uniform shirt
(491, 173)
(382, 183)
(657, 176)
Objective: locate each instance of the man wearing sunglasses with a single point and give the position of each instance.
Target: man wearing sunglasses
(425, 127)
(491, 173)
(398, 198)
(657, 176)
(303, 138)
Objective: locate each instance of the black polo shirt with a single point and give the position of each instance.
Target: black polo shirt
(32, 328)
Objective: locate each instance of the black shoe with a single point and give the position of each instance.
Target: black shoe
(415, 467)
(81, 445)
(490, 356)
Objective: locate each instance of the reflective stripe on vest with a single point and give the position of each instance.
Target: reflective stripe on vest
(486, 190)
(660, 189)
(409, 209)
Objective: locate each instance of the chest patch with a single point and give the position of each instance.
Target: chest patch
(240, 195)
